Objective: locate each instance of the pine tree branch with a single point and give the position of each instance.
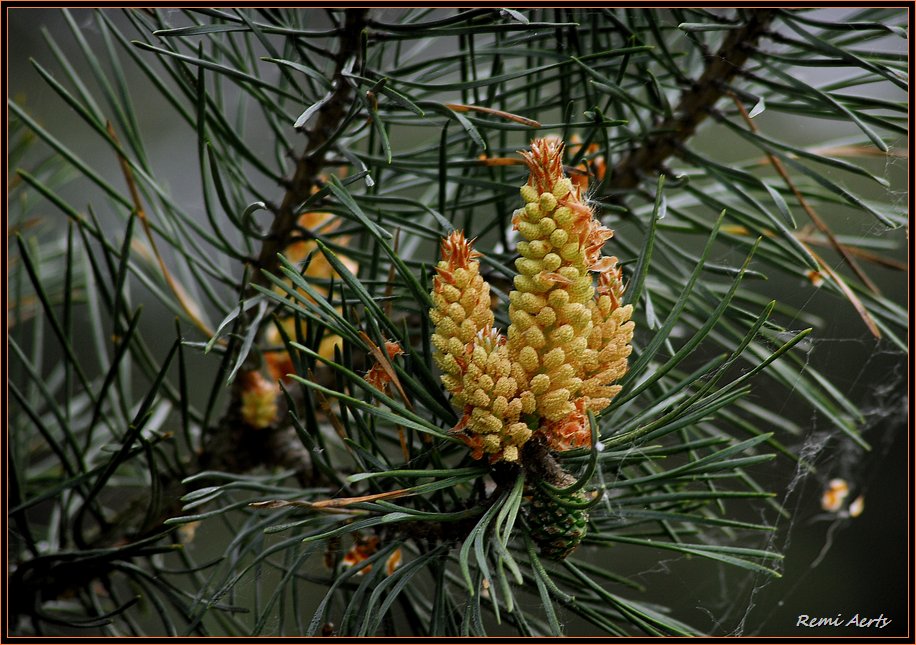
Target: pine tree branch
(308, 166)
(231, 445)
(453, 529)
(695, 102)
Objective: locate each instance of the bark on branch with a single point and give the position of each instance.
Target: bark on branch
(230, 445)
(693, 107)
(308, 166)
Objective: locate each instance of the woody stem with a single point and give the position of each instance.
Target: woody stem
(694, 104)
(328, 121)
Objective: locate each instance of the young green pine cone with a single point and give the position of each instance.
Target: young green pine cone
(555, 528)
(473, 356)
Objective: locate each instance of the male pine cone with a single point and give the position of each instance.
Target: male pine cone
(569, 336)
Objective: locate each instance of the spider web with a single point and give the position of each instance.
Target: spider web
(819, 546)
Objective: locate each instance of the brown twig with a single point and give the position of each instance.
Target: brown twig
(845, 151)
(694, 104)
(801, 236)
(309, 164)
(855, 251)
(460, 107)
(334, 502)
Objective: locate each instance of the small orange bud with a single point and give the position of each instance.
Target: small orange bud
(361, 550)
(377, 375)
(857, 507)
(816, 277)
(393, 561)
(259, 400)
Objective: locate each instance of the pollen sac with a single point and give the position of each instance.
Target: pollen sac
(523, 283)
(499, 406)
(529, 267)
(534, 337)
(558, 298)
(540, 383)
(558, 237)
(462, 278)
(564, 218)
(529, 193)
(537, 249)
(478, 398)
(491, 443)
(546, 226)
(528, 359)
(505, 387)
(562, 188)
(551, 262)
(554, 359)
(568, 252)
(528, 302)
(543, 282)
(546, 317)
(562, 334)
(530, 231)
(547, 202)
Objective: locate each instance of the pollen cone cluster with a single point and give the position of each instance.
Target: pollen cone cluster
(473, 356)
(569, 336)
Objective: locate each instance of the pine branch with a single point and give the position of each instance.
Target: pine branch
(280, 445)
(232, 446)
(694, 105)
(309, 165)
